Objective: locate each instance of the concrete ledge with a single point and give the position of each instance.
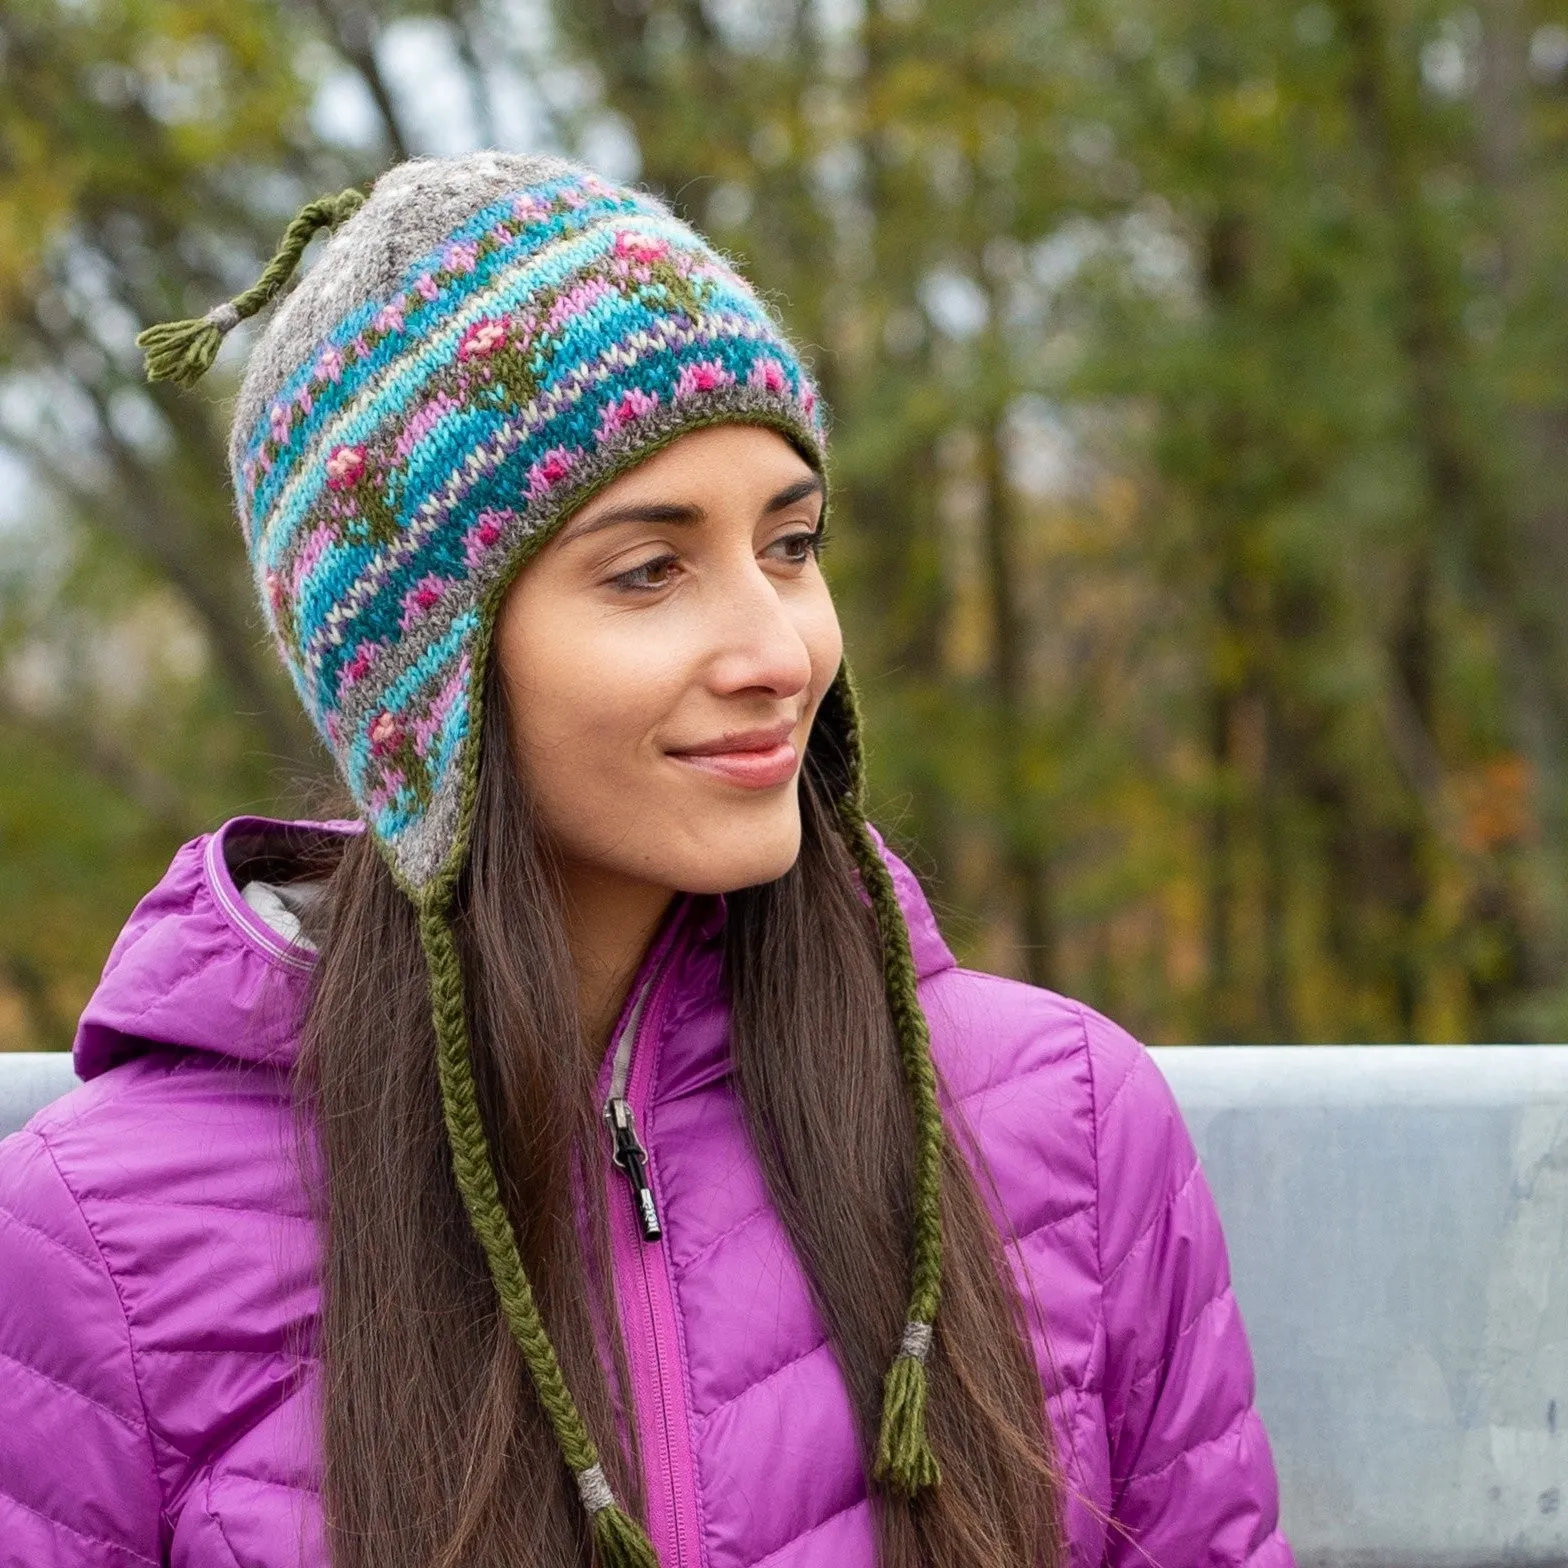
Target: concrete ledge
(1398, 1226)
(1397, 1218)
(29, 1080)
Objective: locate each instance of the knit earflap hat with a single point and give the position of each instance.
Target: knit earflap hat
(485, 343)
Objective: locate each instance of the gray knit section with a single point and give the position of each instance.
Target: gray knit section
(410, 211)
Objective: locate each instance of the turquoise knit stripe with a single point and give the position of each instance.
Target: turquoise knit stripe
(377, 370)
(533, 241)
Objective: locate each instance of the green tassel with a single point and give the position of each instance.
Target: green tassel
(184, 351)
(181, 351)
(620, 1542)
(904, 1458)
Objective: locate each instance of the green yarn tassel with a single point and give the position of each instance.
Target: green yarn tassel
(620, 1541)
(905, 1461)
(904, 1458)
(181, 351)
(184, 351)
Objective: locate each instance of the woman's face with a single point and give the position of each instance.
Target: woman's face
(664, 657)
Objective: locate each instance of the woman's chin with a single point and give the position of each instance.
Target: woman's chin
(744, 856)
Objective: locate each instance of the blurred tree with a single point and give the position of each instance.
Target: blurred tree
(1197, 373)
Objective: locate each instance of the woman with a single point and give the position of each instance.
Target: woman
(662, 1191)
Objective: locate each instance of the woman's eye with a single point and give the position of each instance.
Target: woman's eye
(651, 574)
(800, 548)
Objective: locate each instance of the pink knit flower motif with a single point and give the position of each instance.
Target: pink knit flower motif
(390, 317)
(273, 586)
(305, 399)
(356, 668)
(484, 337)
(425, 286)
(385, 733)
(483, 533)
(421, 598)
(704, 375)
(460, 256)
(344, 466)
(640, 247)
(280, 416)
(632, 405)
(328, 366)
(550, 470)
(528, 208)
(767, 374)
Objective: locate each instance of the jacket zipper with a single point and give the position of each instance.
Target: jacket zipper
(626, 1153)
(644, 1291)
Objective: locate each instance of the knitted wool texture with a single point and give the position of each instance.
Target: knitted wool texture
(487, 342)
(483, 345)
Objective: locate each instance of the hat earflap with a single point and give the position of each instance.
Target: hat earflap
(619, 1540)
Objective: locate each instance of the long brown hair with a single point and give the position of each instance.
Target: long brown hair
(436, 1454)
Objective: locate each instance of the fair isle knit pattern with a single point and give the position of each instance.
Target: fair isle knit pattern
(455, 402)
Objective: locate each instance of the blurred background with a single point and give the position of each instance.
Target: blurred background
(1199, 373)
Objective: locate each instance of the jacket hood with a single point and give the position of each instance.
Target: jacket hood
(197, 968)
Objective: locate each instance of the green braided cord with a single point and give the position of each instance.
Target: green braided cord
(621, 1540)
(183, 351)
(904, 1457)
(914, 1047)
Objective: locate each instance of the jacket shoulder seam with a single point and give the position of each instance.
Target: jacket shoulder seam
(125, 1317)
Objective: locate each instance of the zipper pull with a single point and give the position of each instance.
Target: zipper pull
(631, 1159)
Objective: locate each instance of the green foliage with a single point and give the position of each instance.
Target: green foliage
(1197, 370)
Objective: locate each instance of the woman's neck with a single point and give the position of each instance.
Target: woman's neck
(610, 921)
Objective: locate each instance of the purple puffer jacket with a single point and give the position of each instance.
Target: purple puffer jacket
(158, 1286)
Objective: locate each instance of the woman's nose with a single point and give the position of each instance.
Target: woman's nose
(758, 643)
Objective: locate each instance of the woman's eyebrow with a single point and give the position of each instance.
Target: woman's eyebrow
(674, 512)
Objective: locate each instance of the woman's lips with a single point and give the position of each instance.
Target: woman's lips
(751, 767)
